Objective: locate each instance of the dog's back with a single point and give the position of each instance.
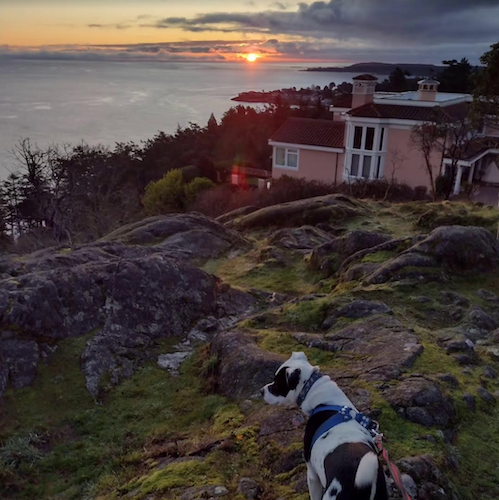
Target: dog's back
(353, 473)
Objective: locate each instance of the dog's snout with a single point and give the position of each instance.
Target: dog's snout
(262, 391)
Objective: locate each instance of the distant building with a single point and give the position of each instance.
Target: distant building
(369, 137)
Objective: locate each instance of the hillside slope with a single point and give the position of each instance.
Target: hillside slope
(143, 383)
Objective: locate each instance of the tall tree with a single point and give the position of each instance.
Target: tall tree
(460, 136)
(398, 80)
(427, 138)
(456, 77)
(486, 94)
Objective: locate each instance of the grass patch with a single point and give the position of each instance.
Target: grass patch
(85, 441)
(283, 343)
(378, 257)
(244, 272)
(176, 475)
(307, 315)
(478, 454)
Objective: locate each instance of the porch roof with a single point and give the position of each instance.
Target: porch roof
(476, 150)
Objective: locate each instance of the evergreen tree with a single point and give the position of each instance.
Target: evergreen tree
(398, 80)
(456, 77)
(486, 92)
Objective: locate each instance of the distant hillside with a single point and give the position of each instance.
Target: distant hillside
(384, 68)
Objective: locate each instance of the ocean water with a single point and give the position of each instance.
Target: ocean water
(108, 102)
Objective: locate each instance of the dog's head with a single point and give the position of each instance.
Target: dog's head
(288, 381)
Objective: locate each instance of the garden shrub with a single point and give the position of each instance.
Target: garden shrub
(165, 195)
(197, 186)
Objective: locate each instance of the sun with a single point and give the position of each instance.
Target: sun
(251, 57)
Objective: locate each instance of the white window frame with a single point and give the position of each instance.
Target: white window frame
(377, 153)
(287, 151)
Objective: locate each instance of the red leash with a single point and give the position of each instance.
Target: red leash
(394, 470)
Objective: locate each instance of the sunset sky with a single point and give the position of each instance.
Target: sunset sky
(219, 30)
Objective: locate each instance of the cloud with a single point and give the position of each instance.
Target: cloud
(337, 30)
(118, 26)
(279, 6)
(419, 25)
(183, 51)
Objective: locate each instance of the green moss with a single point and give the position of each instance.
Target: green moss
(283, 343)
(89, 440)
(58, 393)
(245, 272)
(447, 214)
(249, 448)
(478, 455)
(307, 315)
(227, 419)
(176, 475)
(378, 257)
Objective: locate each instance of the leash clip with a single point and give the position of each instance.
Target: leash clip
(375, 428)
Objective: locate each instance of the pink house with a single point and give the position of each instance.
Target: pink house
(369, 137)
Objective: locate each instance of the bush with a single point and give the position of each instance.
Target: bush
(190, 172)
(165, 195)
(170, 194)
(443, 185)
(197, 186)
(420, 193)
(223, 199)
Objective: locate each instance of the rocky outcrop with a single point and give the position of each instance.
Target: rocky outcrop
(127, 295)
(356, 309)
(301, 238)
(312, 211)
(448, 248)
(19, 360)
(461, 248)
(406, 266)
(377, 349)
(460, 340)
(249, 488)
(234, 214)
(421, 401)
(329, 256)
(187, 236)
(357, 272)
(394, 246)
(487, 295)
(244, 368)
(431, 483)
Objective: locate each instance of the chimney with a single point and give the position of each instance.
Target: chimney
(427, 90)
(363, 90)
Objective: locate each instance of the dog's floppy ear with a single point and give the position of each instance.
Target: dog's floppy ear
(294, 378)
(299, 355)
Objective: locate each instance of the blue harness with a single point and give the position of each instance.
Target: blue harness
(343, 414)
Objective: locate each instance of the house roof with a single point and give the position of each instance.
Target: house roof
(479, 146)
(365, 77)
(344, 101)
(311, 132)
(416, 113)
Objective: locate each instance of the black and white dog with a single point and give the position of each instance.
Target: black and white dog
(342, 463)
